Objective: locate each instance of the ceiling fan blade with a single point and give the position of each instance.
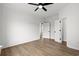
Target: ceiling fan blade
(36, 9)
(44, 4)
(44, 8)
(33, 4)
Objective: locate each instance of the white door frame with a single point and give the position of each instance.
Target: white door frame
(41, 29)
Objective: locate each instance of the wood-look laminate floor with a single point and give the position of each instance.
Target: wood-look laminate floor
(40, 48)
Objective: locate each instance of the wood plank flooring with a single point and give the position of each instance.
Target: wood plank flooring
(46, 47)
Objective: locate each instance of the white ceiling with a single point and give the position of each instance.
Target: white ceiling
(40, 13)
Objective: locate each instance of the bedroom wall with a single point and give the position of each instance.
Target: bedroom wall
(0, 24)
(71, 15)
(17, 27)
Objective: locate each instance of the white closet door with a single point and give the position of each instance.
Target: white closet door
(46, 30)
(58, 31)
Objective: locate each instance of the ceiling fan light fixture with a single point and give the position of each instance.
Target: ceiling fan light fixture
(40, 6)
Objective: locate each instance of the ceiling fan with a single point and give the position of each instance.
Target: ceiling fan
(40, 5)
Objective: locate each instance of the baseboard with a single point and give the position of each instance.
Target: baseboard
(18, 44)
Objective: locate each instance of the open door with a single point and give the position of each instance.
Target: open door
(46, 30)
(58, 31)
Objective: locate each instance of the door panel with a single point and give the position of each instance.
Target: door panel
(46, 30)
(58, 31)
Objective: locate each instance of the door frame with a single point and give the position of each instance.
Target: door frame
(41, 30)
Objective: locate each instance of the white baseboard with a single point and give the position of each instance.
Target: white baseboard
(18, 43)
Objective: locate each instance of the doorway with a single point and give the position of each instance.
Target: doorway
(45, 30)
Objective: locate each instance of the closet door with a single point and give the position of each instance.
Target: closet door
(46, 30)
(58, 31)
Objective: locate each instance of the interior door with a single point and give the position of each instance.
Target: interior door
(46, 30)
(58, 31)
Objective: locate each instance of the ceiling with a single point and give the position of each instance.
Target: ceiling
(40, 13)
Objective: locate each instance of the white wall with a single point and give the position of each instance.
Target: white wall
(0, 24)
(18, 28)
(71, 15)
